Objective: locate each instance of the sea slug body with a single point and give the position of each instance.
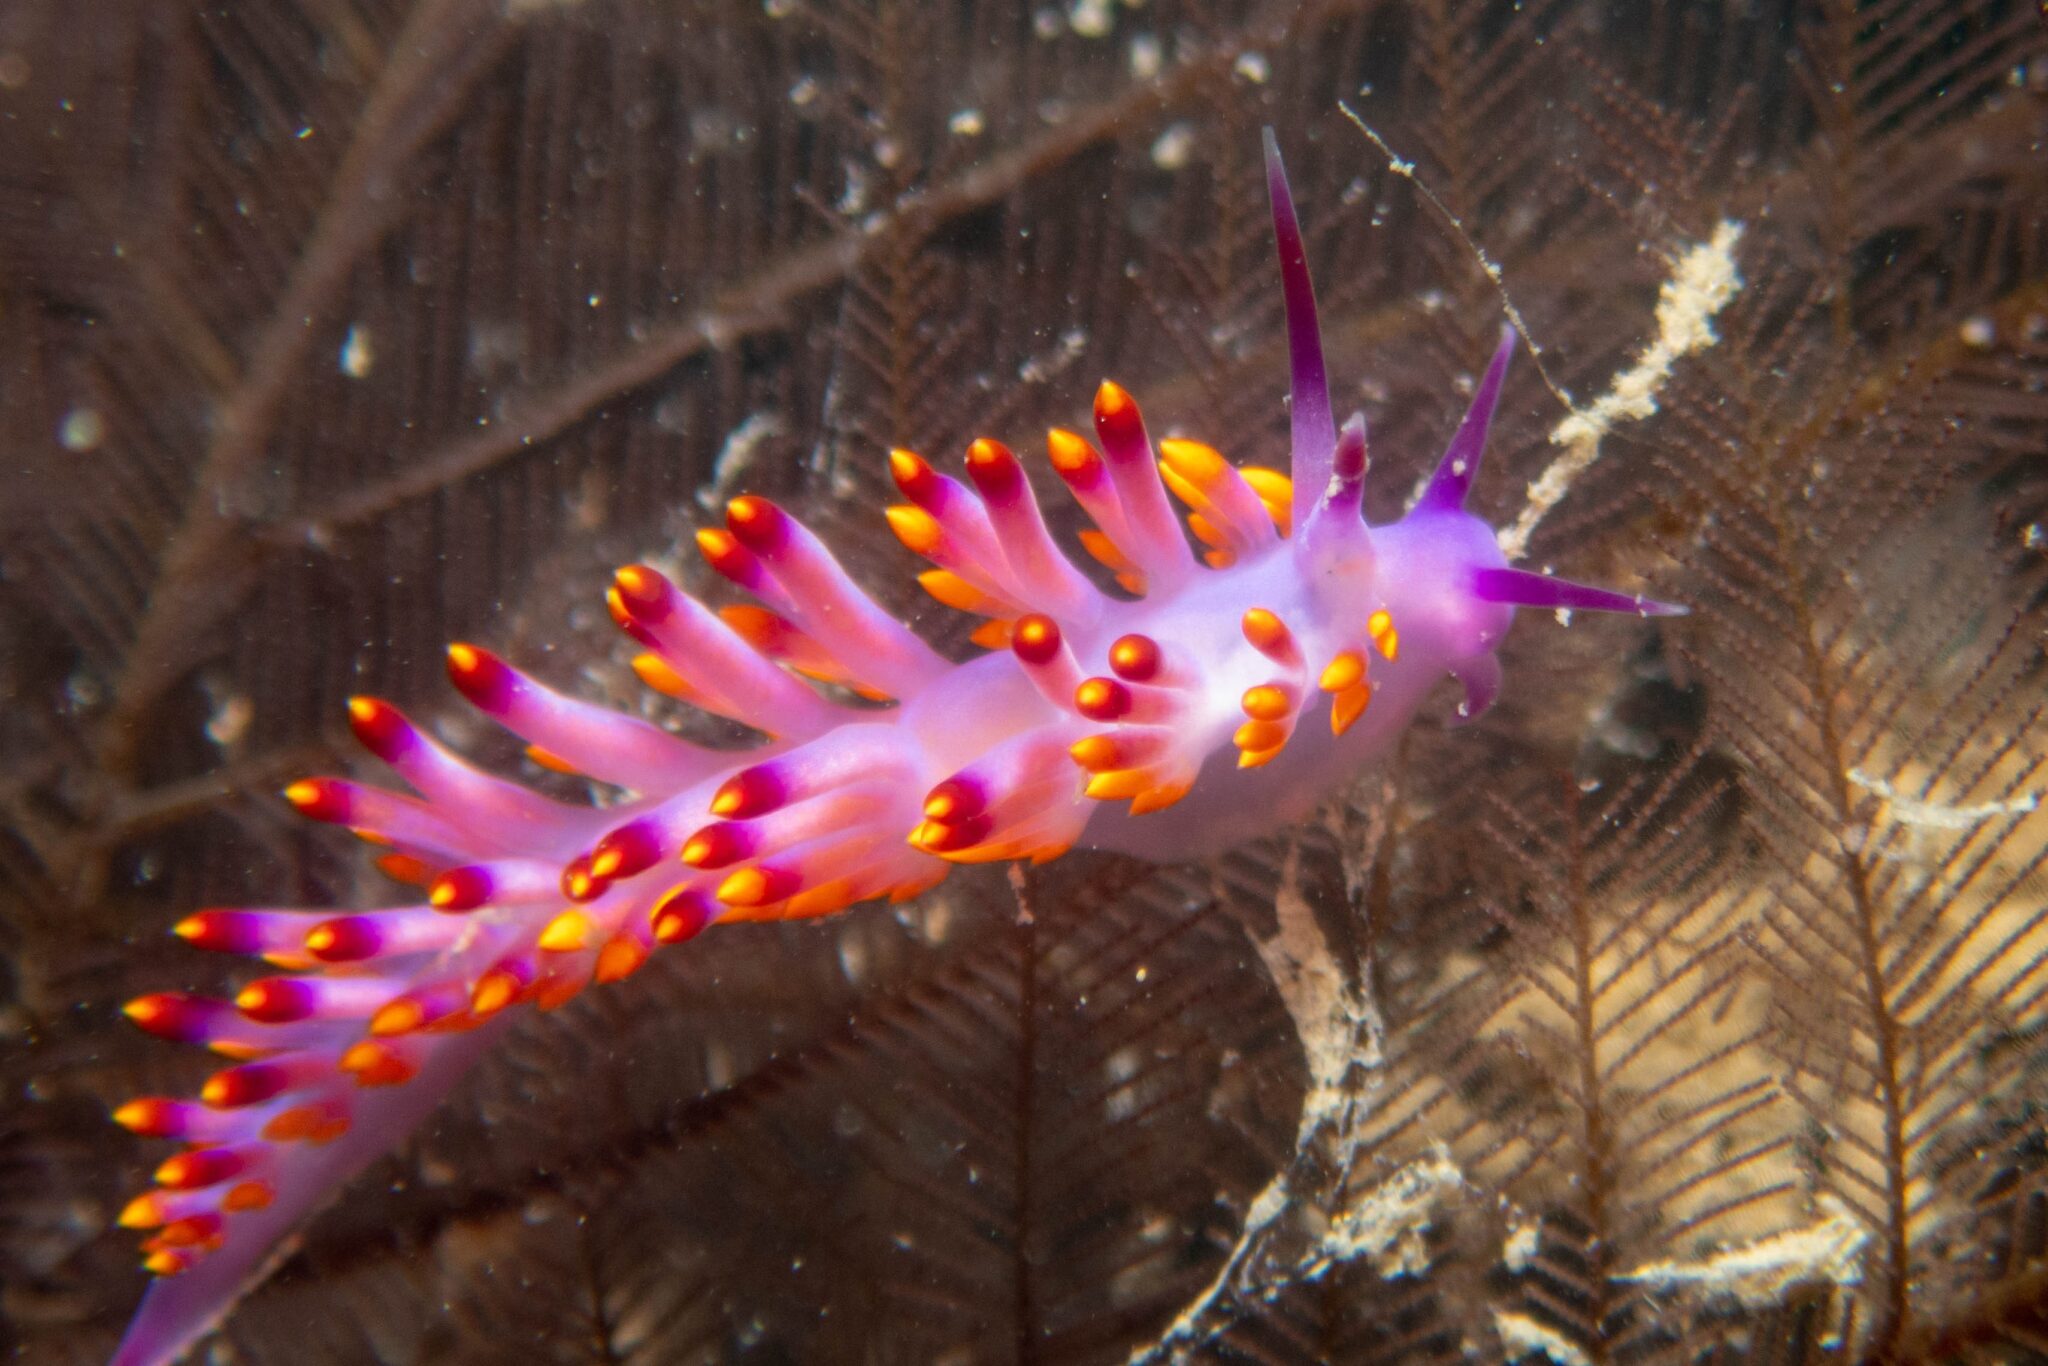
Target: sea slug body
(1225, 695)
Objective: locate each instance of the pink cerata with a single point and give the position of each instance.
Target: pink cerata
(1259, 677)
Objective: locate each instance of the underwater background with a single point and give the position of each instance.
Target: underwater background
(1693, 1005)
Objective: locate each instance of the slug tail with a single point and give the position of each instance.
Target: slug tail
(211, 1242)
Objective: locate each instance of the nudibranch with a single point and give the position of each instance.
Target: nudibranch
(1219, 696)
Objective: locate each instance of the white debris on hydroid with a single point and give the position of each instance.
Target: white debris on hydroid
(1703, 282)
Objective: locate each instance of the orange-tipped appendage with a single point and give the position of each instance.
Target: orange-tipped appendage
(151, 1116)
(566, 933)
(1268, 634)
(144, 1211)
(1102, 699)
(1036, 639)
(917, 529)
(244, 1196)
(394, 1018)
(1113, 403)
(373, 1063)
(1267, 702)
(494, 991)
(1069, 452)
(1380, 626)
(619, 958)
(1117, 784)
(1348, 706)
(1347, 670)
(1135, 658)
(1096, 753)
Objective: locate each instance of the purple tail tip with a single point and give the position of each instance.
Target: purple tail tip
(1520, 588)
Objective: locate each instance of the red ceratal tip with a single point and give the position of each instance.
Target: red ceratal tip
(1036, 639)
(758, 886)
(345, 939)
(1135, 658)
(223, 931)
(626, 851)
(643, 591)
(320, 799)
(377, 1062)
(1070, 453)
(758, 523)
(993, 468)
(176, 1016)
(480, 676)
(460, 889)
(578, 883)
(379, 727)
(199, 1168)
(752, 791)
(936, 837)
(278, 1000)
(250, 1083)
(153, 1117)
(681, 914)
(719, 844)
(1116, 413)
(723, 552)
(1102, 699)
(913, 474)
(958, 798)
